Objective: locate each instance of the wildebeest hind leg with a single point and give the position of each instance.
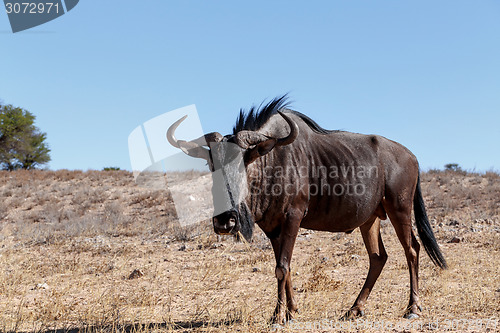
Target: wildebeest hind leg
(402, 225)
(378, 256)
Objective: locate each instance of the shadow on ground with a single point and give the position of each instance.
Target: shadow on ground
(129, 328)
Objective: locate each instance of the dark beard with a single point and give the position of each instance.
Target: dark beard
(246, 222)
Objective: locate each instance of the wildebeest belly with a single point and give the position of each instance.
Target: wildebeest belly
(343, 213)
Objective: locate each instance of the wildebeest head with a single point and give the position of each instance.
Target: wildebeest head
(228, 158)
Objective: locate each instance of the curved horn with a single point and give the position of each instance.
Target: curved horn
(294, 131)
(263, 144)
(171, 130)
(246, 139)
(192, 148)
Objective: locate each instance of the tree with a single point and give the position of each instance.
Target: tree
(22, 144)
(452, 167)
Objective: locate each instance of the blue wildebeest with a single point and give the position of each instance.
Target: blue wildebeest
(300, 175)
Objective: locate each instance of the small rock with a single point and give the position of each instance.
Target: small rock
(256, 269)
(231, 258)
(337, 236)
(324, 259)
(136, 273)
(41, 286)
(183, 247)
(216, 245)
(191, 198)
(355, 257)
(455, 240)
(453, 223)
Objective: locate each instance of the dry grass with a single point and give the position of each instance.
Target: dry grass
(69, 241)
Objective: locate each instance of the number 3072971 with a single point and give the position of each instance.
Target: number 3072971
(31, 8)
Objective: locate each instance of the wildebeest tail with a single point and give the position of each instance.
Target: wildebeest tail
(424, 229)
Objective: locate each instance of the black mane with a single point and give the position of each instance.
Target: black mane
(256, 117)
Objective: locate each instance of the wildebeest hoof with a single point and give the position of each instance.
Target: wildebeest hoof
(411, 316)
(352, 314)
(411, 312)
(277, 320)
(290, 314)
(277, 324)
(276, 327)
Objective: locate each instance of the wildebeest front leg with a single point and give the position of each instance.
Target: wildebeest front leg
(283, 249)
(290, 299)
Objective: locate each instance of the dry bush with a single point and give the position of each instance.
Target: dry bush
(447, 192)
(54, 204)
(3, 209)
(149, 199)
(320, 280)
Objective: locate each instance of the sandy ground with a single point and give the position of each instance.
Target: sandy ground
(92, 251)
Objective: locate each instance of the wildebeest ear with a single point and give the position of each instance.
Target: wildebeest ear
(261, 149)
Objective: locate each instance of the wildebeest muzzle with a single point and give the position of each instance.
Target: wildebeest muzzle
(226, 223)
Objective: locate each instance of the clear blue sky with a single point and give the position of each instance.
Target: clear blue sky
(424, 73)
